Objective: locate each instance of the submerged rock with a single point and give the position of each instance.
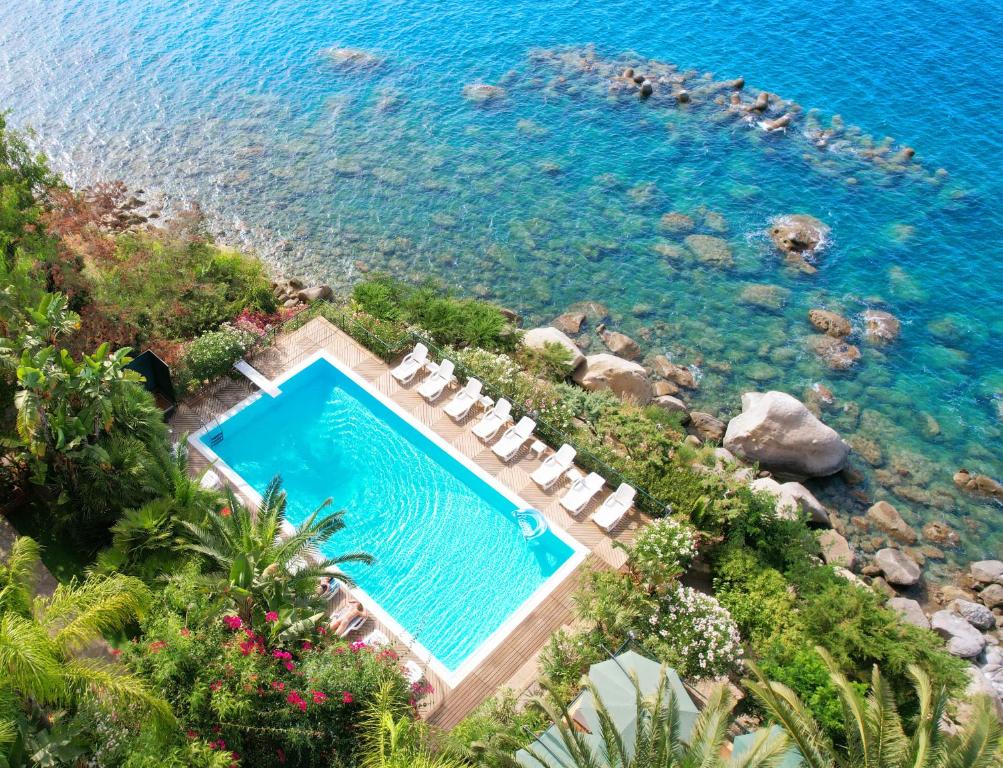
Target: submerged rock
(829, 323)
(711, 250)
(483, 93)
(354, 58)
(678, 374)
(881, 326)
(778, 431)
(676, 222)
(887, 518)
(764, 296)
(979, 484)
(539, 338)
(835, 353)
(624, 378)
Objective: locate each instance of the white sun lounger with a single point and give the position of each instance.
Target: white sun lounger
(612, 511)
(550, 471)
(581, 492)
(210, 481)
(412, 672)
(460, 405)
(413, 362)
(435, 383)
(514, 438)
(377, 638)
(493, 420)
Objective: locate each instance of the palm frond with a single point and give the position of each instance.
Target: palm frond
(77, 614)
(980, 745)
(29, 660)
(108, 681)
(767, 751)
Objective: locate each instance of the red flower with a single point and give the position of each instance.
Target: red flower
(157, 646)
(233, 623)
(319, 697)
(225, 512)
(191, 734)
(278, 684)
(290, 666)
(346, 697)
(271, 616)
(307, 645)
(185, 632)
(215, 685)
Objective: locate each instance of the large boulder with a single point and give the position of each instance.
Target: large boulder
(707, 427)
(782, 435)
(881, 326)
(836, 549)
(798, 234)
(621, 345)
(622, 377)
(887, 518)
(987, 571)
(678, 374)
(539, 338)
(992, 596)
(793, 500)
(962, 638)
(830, 323)
(910, 611)
(669, 403)
(898, 568)
(316, 293)
(569, 322)
(975, 614)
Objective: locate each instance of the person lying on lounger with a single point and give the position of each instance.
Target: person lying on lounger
(323, 586)
(353, 613)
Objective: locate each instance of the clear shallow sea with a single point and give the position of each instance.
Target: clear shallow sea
(553, 195)
(451, 561)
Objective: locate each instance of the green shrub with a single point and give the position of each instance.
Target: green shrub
(662, 552)
(499, 725)
(213, 354)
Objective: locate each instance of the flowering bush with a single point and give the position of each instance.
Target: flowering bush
(662, 552)
(257, 322)
(264, 703)
(526, 392)
(213, 354)
(692, 631)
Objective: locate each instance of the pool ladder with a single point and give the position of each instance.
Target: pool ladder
(531, 522)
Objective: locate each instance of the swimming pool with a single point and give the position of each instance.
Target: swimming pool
(454, 572)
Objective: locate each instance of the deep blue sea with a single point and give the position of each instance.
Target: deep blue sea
(553, 193)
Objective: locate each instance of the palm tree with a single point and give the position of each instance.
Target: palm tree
(876, 733)
(657, 742)
(262, 572)
(41, 641)
(144, 540)
(392, 737)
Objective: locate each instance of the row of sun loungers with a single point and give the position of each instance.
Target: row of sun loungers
(560, 464)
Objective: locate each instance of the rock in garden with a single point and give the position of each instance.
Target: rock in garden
(711, 250)
(783, 436)
(887, 518)
(881, 326)
(708, 428)
(987, 571)
(829, 323)
(569, 322)
(679, 374)
(669, 403)
(539, 338)
(622, 377)
(621, 344)
(798, 234)
(941, 533)
(764, 296)
(992, 596)
(835, 353)
(836, 549)
(910, 611)
(354, 58)
(676, 222)
(898, 568)
(980, 484)
(663, 387)
(962, 638)
(793, 500)
(979, 616)
(317, 293)
(482, 93)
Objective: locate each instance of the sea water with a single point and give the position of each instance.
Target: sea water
(553, 194)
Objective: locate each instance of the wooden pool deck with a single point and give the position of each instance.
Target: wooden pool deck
(513, 663)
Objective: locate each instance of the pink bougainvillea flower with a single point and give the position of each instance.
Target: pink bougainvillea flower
(307, 645)
(358, 645)
(278, 684)
(290, 666)
(346, 697)
(233, 623)
(284, 655)
(191, 734)
(271, 616)
(319, 697)
(215, 685)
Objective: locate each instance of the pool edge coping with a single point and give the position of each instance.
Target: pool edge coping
(452, 678)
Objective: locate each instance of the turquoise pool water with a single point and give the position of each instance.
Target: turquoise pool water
(452, 564)
(554, 194)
